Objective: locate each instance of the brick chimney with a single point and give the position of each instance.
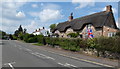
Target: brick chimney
(71, 17)
(109, 8)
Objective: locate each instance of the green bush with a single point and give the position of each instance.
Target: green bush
(74, 35)
(91, 43)
(14, 37)
(41, 39)
(27, 36)
(32, 40)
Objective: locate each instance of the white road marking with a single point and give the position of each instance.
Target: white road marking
(67, 65)
(10, 64)
(60, 64)
(81, 59)
(28, 49)
(42, 56)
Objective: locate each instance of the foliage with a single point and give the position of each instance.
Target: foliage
(38, 44)
(118, 34)
(52, 26)
(91, 43)
(27, 36)
(3, 34)
(20, 32)
(74, 35)
(14, 37)
(32, 40)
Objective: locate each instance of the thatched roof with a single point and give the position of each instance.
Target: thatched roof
(99, 19)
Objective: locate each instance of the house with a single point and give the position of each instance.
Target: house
(40, 31)
(97, 24)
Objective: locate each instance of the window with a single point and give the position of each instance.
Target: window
(111, 34)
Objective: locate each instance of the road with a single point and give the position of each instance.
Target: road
(19, 54)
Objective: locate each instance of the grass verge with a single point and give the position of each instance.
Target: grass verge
(38, 44)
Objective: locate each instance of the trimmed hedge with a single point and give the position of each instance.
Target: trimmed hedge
(101, 44)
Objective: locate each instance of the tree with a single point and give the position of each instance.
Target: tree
(52, 26)
(11, 37)
(2, 34)
(24, 31)
(20, 29)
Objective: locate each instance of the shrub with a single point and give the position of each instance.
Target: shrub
(32, 40)
(27, 36)
(41, 39)
(14, 37)
(74, 35)
(118, 34)
(91, 43)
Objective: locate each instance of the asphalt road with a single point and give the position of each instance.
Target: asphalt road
(17, 54)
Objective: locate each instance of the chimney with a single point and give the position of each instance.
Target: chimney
(43, 27)
(71, 17)
(109, 8)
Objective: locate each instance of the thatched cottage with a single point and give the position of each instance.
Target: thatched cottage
(101, 24)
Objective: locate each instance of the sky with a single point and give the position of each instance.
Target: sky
(34, 15)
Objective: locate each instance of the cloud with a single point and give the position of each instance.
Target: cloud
(49, 15)
(51, 6)
(34, 14)
(11, 19)
(50, 12)
(20, 14)
(34, 5)
(31, 27)
(83, 3)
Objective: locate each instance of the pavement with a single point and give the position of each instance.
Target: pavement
(17, 54)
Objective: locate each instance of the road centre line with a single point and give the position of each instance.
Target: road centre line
(81, 59)
(42, 55)
(67, 65)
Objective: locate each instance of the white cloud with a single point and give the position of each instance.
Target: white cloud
(31, 27)
(20, 14)
(10, 18)
(113, 9)
(34, 5)
(51, 6)
(49, 15)
(83, 3)
(34, 14)
(50, 12)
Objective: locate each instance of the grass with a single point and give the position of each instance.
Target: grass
(38, 44)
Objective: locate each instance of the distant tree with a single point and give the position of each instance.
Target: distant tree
(2, 34)
(11, 37)
(52, 26)
(16, 33)
(24, 31)
(20, 29)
